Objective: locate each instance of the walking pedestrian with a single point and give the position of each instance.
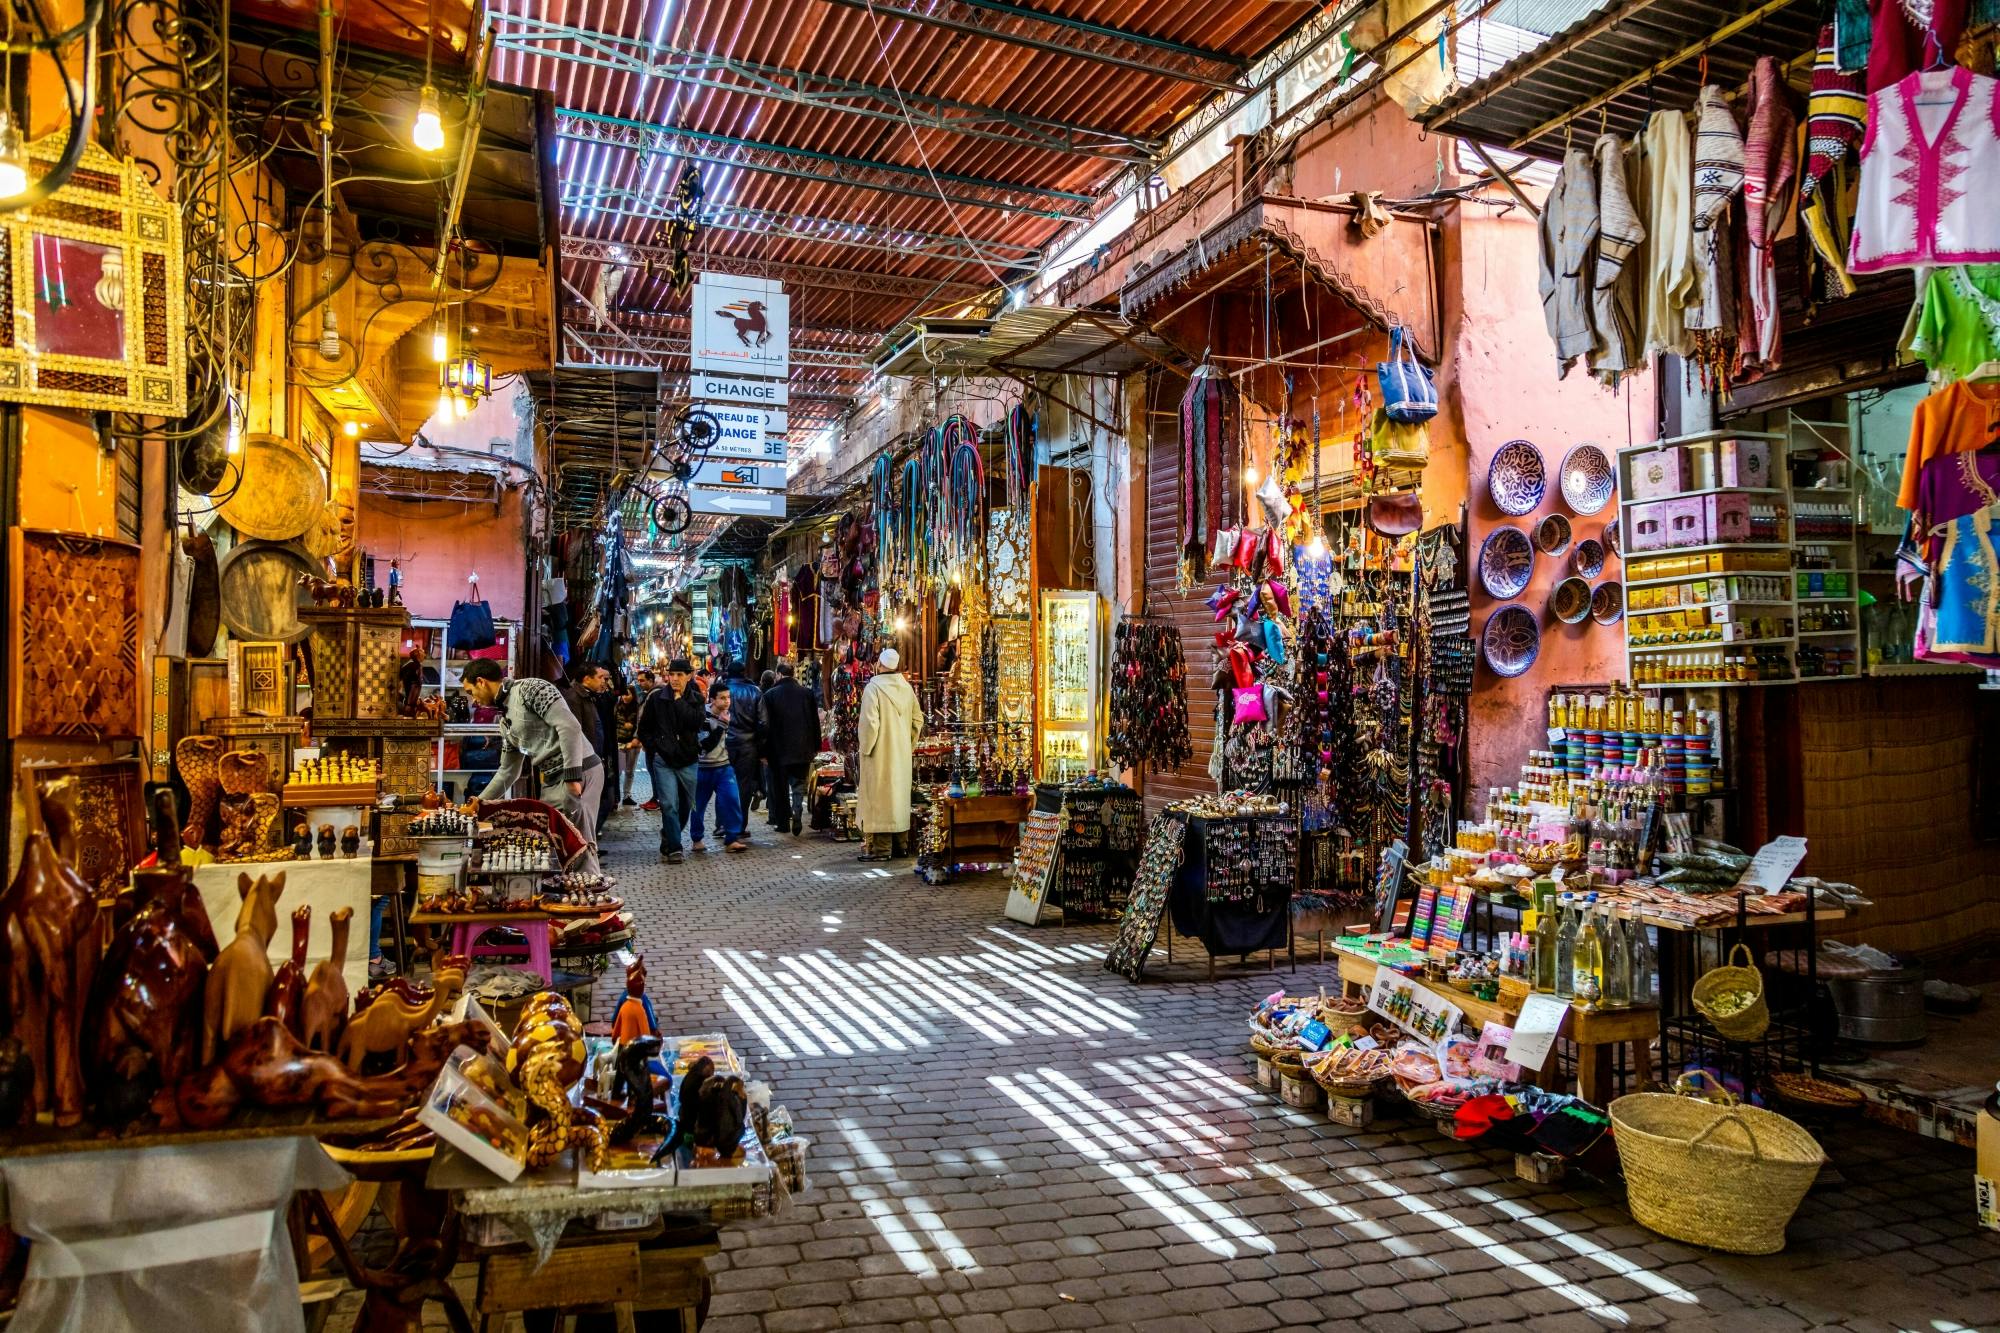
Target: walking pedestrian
(746, 736)
(540, 732)
(670, 724)
(626, 738)
(791, 739)
(716, 777)
(891, 722)
(590, 700)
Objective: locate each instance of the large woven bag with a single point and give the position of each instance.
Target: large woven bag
(1726, 1177)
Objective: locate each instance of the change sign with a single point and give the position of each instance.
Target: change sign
(706, 386)
(745, 433)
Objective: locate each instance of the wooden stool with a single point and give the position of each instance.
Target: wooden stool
(597, 1274)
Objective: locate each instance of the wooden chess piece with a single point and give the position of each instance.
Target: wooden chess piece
(241, 976)
(286, 1001)
(145, 1015)
(197, 758)
(326, 989)
(49, 953)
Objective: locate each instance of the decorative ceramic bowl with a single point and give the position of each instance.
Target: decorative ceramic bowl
(1517, 478)
(1570, 602)
(1506, 562)
(1607, 603)
(1511, 640)
(1552, 535)
(1609, 536)
(1588, 558)
(1587, 479)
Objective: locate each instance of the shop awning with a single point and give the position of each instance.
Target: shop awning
(1054, 340)
(1613, 68)
(599, 422)
(1388, 277)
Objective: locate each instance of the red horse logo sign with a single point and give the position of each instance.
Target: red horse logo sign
(752, 328)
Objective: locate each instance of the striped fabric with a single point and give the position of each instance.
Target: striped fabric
(1836, 113)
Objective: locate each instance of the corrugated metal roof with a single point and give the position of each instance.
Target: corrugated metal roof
(1048, 338)
(1574, 86)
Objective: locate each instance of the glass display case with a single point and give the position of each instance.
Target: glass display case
(1067, 693)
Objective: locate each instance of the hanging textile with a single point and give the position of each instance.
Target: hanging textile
(1020, 454)
(1958, 321)
(1958, 419)
(1928, 166)
(1568, 229)
(1954, 521)
(1718, 175)
(1901, 43)
(1667, 176)
(1836, 114)
(1770, 156)
(1613, 310)
(1210, 422)
(1148, 717)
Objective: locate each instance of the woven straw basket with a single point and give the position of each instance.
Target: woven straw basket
(1746, 1024)
(1729, 1178)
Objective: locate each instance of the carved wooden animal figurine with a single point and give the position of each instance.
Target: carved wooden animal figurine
(144, 1021)
(48, 953)
(447, 970)
(384, 1027)
(241, 976)
(248, 805)
(286, 1001)
(197, 758)
(326, 989)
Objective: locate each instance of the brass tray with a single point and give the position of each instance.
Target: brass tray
(281, 493)
(260, 590)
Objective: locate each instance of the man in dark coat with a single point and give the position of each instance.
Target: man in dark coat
(791, 739)
(746, 732)
(670, 732)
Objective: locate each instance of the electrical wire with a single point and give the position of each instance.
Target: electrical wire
(79, 116)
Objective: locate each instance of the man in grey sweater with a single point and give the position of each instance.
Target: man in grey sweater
(538, 729)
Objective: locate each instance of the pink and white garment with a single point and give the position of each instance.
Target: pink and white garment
(1928, 163)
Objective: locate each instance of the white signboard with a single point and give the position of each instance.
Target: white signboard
(759, 476)
(706, 386)
(1771, 868)
(775, 421)
(1535, 1031)
(1411, 1006)
(742, 326)
(756, 504)
(745, 433)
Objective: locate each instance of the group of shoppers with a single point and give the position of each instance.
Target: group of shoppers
(735, 744)
(731, 744)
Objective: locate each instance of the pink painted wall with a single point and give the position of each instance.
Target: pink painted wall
(439, 542)
(1499, 384)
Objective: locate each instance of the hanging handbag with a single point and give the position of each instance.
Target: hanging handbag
(471, 622)
(1408, 394)
(1398, 444)
(1249, 706)
(1396, 515)
(1222, 546)
(1274, 553)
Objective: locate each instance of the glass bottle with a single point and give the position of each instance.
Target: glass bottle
(1644, 962)
(1617, 962)
(1588, 985)
(1565, 978)
(1545, 949)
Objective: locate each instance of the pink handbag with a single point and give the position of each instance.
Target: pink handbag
(1249, 705)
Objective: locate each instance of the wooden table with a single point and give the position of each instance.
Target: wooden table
(1597, 1032)
(467, 927)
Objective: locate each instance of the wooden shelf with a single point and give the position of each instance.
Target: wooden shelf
(1701, 645)
(1710, 490)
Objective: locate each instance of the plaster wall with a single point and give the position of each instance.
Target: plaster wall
(437, 543)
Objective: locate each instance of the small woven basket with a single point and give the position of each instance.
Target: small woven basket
(1729, 1178)
(1748, 1023)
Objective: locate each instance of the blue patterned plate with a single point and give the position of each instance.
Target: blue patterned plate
(1506, 562)
(1517, 478)
(1587, 479)
(1588, 558)
(1511, 640)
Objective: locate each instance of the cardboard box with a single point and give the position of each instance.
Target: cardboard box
(1986, 1165)
(1746, 463)
(1659, 473)
(1725, 518)
(1665, 524)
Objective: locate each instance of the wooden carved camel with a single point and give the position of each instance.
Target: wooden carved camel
(326, 989)
(241, 976)
(384, 1028)
(49, 953)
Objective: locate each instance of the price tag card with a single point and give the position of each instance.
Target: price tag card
(1535, 1031)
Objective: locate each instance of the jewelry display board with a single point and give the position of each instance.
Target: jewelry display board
(1159, 863)
(1034, 867)
(1066, 668)
(1102, 829)
(74, 641)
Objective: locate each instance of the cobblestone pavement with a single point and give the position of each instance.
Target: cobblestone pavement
(1007, 1137)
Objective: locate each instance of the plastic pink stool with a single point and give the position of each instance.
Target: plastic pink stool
(534, 927)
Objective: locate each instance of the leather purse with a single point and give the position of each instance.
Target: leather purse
(1395, 515)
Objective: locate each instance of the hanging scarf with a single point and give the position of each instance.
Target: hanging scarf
(1770, 158)
(1836, 114)
(1209, 420)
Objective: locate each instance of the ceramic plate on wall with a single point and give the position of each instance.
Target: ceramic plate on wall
(1517, 478)
(1506, 562)
(1588, 558)
(1587, 479)
(1552, 534)
(1570, 603)
(1607, 603)
(1511, 640)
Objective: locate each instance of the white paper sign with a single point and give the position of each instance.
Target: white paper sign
(754, 504)
(741, 326)
(1412, 1006)
(744, 432)
(1773, 865)
(1535, 1031)
(759, 476)
(707, 386)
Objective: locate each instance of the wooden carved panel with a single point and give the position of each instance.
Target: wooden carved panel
(74, 641)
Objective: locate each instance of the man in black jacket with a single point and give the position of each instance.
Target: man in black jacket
(590, 698)
(670, 732)
(746, 735)
(791, 739)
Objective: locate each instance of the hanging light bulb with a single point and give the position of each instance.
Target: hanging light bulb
(1249, 476)
(428, 132)
(13, 159)
(232, 441)
(460, 408)
(350, 429)
(329, 335)
(440, 345)
(1317, 546)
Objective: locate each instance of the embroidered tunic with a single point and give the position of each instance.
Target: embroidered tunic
(1568, 228)
(1958, 326)
(1619, 233)
(1928, 162)
(1666, 178)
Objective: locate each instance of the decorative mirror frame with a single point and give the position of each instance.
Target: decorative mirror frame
(110, 203)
